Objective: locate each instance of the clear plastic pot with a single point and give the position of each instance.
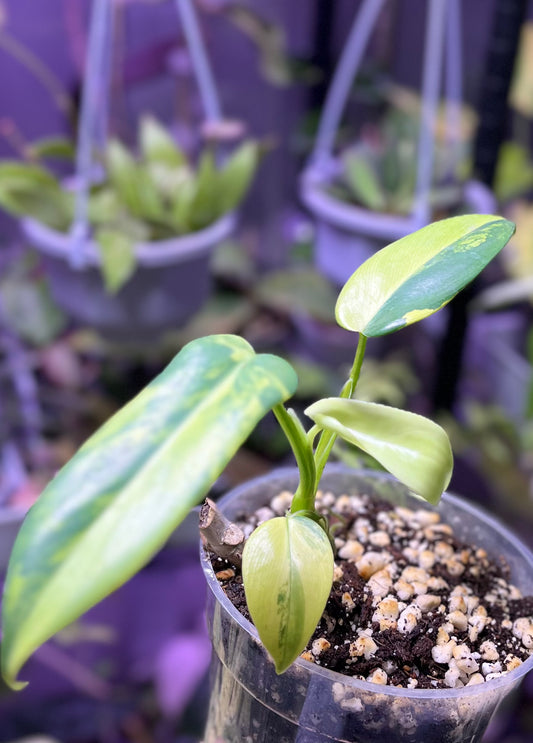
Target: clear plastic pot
(309, 704)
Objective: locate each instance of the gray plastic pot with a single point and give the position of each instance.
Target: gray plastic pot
(309, 704)
(171, 281)
(346, 235)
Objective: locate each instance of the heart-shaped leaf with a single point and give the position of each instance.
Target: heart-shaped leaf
(418, 274)
(287, 573)
(414, 449)
(121, 496)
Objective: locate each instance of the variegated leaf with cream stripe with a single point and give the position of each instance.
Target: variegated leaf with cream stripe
(117, 501)
(420, 273)
(287, 572)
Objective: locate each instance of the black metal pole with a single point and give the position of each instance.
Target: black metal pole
(322, 54)
(508, 18)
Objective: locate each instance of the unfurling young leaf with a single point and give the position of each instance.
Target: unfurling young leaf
(287, 572)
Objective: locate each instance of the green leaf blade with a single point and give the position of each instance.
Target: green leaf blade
(157, 145)
(287, 575)
(235, 177)
(60, 148)
(415, 276)
(117, 501)
(363, 181)
(124, 175)
(204, 205)
(414, 449)
(117, 254)
(132, 183)
(32, 191)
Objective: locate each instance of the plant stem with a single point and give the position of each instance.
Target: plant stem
(327, 438)
(304, 498)
(349, 387)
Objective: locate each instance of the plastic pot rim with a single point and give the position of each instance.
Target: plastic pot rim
(158, 253)
(376, 224)
(509, 679)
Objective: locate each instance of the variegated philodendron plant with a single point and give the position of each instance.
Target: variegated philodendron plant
(120, 497)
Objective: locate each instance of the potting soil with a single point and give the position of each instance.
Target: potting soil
(411, 605)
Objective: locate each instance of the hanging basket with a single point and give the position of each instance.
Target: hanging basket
(346, 235)
(171, 282)
(172, 278)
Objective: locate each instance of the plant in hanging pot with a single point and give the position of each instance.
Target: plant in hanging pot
(379, 172)
(113, 506)
(369, 192)
(154, 220)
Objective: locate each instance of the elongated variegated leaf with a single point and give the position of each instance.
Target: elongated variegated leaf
(287, 573)
(121, 496)
(413, 448)
(418, 274)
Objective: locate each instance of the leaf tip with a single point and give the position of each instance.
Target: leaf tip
(15, 685)
(281, 666)
(10, 672)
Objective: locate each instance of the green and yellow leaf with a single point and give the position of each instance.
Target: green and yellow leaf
(287, 573)
(415, 276)
(112, 507)
(414, 449)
